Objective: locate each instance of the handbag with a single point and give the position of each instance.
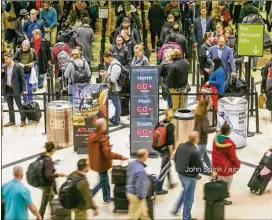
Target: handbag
(33, 76)
(214, 191)
(262, 101)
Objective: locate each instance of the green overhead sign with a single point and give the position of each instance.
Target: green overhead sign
(250, 40)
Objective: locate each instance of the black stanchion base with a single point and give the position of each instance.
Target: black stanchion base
(250, 134)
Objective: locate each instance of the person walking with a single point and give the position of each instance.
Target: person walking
(100, 158)
(166, 152)
(224, 160)
(188, 166)
(83, 188)
(17, 199)
(13, 85)
(137, 187)
(27, 58)
(203, 128)
(49, 188)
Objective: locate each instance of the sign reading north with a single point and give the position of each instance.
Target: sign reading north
(250, 40)
(144, 107)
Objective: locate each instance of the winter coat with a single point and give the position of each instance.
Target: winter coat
(217, 79)
(86, 36)
(246, 10)
(99, 152)
(166, 29)
(156, 17)
(133, 33)
(203, 56)
(143, 61)
(122, 55)
(182, 42)
(203, 128)
(178, 74)
(44, 56)
(224, 159)
(32, 58)
(70, 37)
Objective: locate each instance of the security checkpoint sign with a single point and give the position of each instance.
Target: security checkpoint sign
(103, 12)
(250, 40)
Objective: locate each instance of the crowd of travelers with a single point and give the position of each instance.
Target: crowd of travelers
(36, 34)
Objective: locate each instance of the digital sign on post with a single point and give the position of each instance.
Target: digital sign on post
(144, 108)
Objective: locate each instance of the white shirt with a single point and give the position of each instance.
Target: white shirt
(9, 73)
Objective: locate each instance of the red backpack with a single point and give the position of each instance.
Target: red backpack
(159, 135)
(212, 99)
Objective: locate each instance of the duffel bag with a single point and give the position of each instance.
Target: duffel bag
(216, 191)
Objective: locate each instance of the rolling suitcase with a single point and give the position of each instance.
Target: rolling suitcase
(120, 199)
(58, 212)
(36, 114)
(215, 210)
(258, 183)
(216, 191)
(119, 175)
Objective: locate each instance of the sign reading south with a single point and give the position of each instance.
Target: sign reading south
(250, 40)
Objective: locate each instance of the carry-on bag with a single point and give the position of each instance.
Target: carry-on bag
(257, 182)
(214, 191)
(58, 212)
(120, 200)
(36, 114)
(267, 160)
(119, 174)
(215, 210)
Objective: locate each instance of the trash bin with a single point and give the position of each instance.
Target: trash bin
(60, 124)
(234, 111)
(184, 124)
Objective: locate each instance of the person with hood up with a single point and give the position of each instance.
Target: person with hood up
(100, 157)
(224, 160)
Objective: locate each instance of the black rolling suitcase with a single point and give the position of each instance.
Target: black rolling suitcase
(119, 175)
(36, 114)
(215, 210)
(58, 212)
(120, 199)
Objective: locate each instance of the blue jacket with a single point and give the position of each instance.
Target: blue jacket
(226, 58)
(49, 17)
(217, 79)
(30, 26)
(137, 180)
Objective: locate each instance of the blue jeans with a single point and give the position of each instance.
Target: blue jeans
(169, 99)
(28, 97)
(105, 185)
(40, 78)
(187, 196)
(204, 157)
(70, 93)
(117, 105)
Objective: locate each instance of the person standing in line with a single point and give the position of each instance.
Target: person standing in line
(203, 128)
(48, 16)
(224, 160)
(83, 188)
(139, 58)
(13, 86)
(137, 187)
(188, 166)
(49, 188)
(17, 199)
(86, 36)
(100, 158)
(166, 152)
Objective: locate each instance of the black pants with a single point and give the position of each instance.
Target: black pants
(11, 105)
(153, 38)
(165, 169)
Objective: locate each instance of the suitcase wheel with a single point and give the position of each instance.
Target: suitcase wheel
(260, 192)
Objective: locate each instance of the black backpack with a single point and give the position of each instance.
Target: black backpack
(81, 75)
(123, 79)
(69, 196)
(35, 172)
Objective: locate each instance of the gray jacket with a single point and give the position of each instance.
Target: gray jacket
(112, 75)
(143, 61)
(70, 71)
(86, 37)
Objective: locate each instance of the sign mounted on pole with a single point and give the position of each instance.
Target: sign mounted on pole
(250, 40)
(103, 12)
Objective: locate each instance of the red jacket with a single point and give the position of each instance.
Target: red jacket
(55, 51)
(224, 159)
(100, 155)
(226, 15)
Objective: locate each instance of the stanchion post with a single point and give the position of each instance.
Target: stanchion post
(240, 70)
(194, 68)
(190, 44)
(257, 113)
(48, 86)
(50, 70)
(197, 78)
(251, 97)
(44, 112)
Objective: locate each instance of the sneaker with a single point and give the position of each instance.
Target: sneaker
(9, 124)
(198, 177)
(34, 90)
(161, 192)
(106, 202)
(113, 124)
(173, 185)
(23, 124)
(174, 213)
(227, 202)
(40, 87)
(254, 69)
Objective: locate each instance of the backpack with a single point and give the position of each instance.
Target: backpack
(123, 79)
(212, 99)
(253, 19)
(81, 75)
(63, 59)
(159, 135)
(35, 172)
(69, 196)
(269, 100)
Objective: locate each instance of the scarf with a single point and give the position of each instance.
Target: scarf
(37, 45)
